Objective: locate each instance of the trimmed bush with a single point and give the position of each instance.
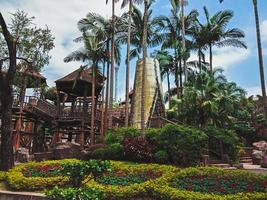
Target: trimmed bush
(161, 156)
(183, 144)
(231, 142)
(165, 189)
(73, 194)
(117, 135)
(114, 152)
(71, 171)
(132, 190)
(2, 176)
(138, 149)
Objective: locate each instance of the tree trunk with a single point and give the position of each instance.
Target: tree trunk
(260, 59)
(107, 93)
(144, 66)
(210, 48)
(112, 65)
(7, 155)
(92, 138)
(128, 66)
(199, 60)
(183, 40)
(169, 88)
(102, 105)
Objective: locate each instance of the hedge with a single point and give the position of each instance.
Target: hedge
(17, 181)
(133, 190)
(164, 189)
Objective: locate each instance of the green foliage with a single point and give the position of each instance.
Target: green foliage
(210, 100)
(117, 135)
(77, 171)
(73, 194)
(99, 154)
(115, 152)
(2, 176)
(231, 142)
(183, 144)
(72, 171)
(161, 156)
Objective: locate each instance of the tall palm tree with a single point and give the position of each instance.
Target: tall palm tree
(124, 3)
(93, 51)
(112, 62)
(102, 28)
(166, 64)
(217, 34)
(261, 66)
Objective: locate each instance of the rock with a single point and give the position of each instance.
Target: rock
(22, 155)
(67, 150)
(261, 145)
(257, 157)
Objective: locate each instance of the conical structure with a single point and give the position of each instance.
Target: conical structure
(154, 105)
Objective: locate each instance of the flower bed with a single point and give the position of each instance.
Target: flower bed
(125, 178)
(212, 183)
(46, 170)
(219, 184)
(129, 180)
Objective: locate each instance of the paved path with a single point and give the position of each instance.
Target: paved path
(255, 168)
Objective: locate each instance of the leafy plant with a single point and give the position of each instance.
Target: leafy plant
(117, 135)
(74, 194)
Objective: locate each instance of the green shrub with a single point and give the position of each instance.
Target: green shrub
(183, 144)
(73, 194)
(99, 154)
(161, 156)
(2, 176)
(114, 152)
(231, 142)
(77, 171)
(117, 135)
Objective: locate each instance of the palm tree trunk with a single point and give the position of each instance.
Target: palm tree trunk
(183, 39)
(260, 59)
(92, 138)
(102, 104)
(144, 66)
(210, 48)
(107, 92)
(112, 65)
(199, 60)
(128, 65)
(169, 88)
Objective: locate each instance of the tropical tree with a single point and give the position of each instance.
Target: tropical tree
(22, 41)
(166, 64)
(112, 61)
(216, 33)
(210, 100)
(124, 3)
(93, 52)
(261, 66)
(102, 29)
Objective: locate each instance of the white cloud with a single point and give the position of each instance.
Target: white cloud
(225, 57)
(264, 30)
(61, 16)
(254, 90)
(229, 56)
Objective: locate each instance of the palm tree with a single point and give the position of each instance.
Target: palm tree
(112, 62)
(216, 33)
(93, 51)
(102, 28)
(261, 66)
(166, 64)
(124, 3)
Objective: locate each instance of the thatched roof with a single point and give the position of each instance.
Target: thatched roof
(75, 82)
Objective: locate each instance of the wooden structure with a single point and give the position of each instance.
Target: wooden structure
(31, 115)
(74, 107)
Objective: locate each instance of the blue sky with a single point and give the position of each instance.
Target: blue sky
(61, 17)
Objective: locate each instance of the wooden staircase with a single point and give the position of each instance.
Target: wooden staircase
(246, 158)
